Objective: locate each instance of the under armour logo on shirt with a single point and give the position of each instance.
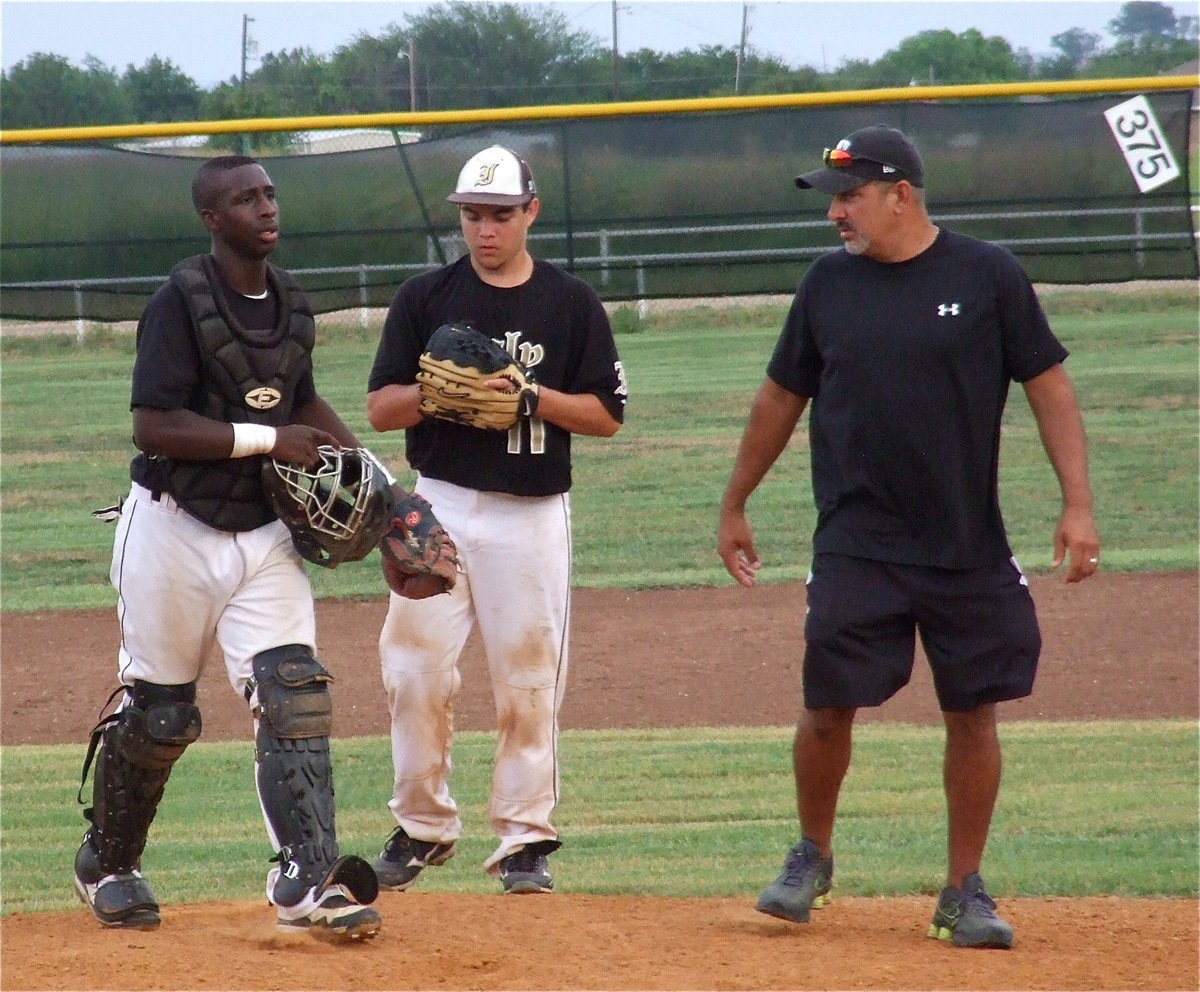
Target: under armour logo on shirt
(949, 309)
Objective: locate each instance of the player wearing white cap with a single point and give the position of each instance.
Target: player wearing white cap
(504, 498)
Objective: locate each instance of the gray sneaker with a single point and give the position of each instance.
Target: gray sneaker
(804, 884)
(527, 871)
(402, 859)
(967, 917)
(120, 901)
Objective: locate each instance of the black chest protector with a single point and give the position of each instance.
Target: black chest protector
(249, 377)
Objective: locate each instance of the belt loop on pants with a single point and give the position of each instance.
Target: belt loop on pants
(144, 495)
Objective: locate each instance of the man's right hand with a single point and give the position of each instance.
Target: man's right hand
(735, 545)
(298, 443)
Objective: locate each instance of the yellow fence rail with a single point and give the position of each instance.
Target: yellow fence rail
(576, 111)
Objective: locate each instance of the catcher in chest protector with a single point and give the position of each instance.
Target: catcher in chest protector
(242, 471)
(489, 364)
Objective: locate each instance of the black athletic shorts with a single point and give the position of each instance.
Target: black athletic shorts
(979, 630)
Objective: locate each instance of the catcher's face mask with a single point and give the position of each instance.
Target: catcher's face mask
(338, 510)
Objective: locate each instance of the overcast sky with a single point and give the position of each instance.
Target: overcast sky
(204, 39)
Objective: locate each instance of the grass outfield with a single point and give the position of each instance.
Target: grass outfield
(683, 812)
(646, 500)
(695, 812)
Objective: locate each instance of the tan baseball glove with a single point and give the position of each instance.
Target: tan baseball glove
(456, 364)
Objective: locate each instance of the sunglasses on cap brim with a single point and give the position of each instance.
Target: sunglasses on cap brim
(839, 158)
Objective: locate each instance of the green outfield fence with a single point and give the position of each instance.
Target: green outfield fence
(682, 198)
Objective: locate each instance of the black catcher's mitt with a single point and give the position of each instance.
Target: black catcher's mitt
(458, 360)
(419, 558)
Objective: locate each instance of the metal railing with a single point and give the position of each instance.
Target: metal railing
(605, 259)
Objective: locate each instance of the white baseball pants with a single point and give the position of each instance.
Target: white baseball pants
(515, 585)
(183, 587)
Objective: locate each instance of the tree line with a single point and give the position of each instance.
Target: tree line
(465, 55)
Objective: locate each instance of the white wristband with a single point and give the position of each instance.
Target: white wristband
(252, 439)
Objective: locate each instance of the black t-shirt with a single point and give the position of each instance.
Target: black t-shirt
(553, 323)
(908, 366)
(167, 372)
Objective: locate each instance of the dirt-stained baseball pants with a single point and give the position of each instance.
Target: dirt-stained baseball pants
(515, 587)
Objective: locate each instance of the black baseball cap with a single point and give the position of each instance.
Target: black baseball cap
(870, 154)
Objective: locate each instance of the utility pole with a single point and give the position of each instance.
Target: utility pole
(411, 56)
(246, 19)
(244, 139)
(616, 57)
(741, 58)
(412, 75)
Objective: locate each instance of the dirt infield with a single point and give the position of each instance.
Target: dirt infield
(1119, 647)
(606, 942)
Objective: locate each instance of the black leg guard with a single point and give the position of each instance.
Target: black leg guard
(294, 772)
(137, 748)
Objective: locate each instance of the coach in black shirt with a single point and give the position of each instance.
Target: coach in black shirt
(905, 343)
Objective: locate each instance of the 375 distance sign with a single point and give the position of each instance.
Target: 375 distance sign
(1142, 143)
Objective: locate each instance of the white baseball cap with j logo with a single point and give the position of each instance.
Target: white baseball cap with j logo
(495, 176)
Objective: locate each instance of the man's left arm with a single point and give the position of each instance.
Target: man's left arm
(1052, 399)
(595, 403)
(579, 413)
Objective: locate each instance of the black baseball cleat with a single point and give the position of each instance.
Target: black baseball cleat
(333, 916)
(403, 858)
(527, 871)
(336, 908)
(120, 900)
